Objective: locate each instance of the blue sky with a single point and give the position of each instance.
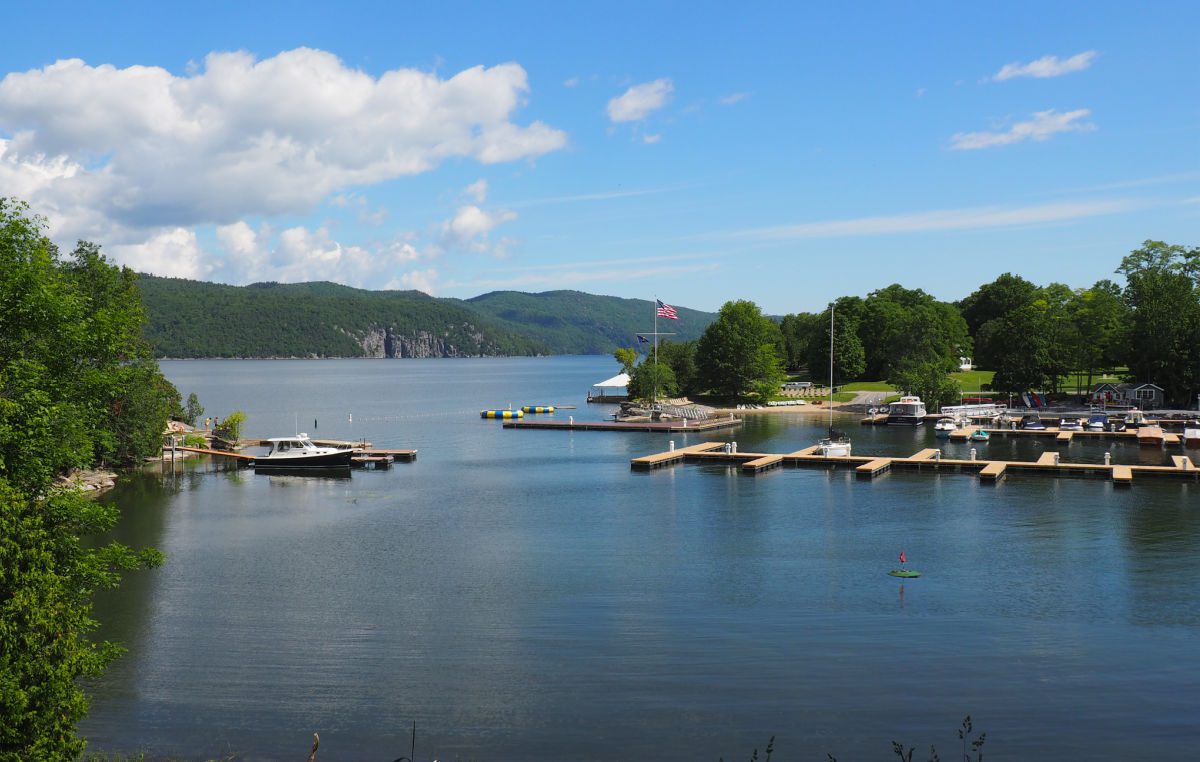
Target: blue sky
(696, 152)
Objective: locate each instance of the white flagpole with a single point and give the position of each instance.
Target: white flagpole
(654, 394)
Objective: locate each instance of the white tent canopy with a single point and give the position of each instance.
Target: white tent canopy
(619, 381)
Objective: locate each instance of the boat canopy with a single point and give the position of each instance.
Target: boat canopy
(619, 381)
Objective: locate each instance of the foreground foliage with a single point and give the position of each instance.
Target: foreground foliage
(78, 387)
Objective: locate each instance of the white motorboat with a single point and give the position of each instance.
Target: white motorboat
(944, 426)
(908, 411)
(1070, 424)
(298, 453)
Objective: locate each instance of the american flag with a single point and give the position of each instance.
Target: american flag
(666, 311)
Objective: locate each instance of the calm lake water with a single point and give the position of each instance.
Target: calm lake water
(522, 595)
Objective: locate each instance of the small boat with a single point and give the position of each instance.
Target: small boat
(1191, 434)
(979, 435)
(834, 447)
(909, 410)
(1150, 436)
(837, 444)
(1070, 424)
(1097, 422)
(298, 453)
(944, 426)
(1032, 422)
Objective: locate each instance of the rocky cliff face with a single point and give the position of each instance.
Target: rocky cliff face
(383, 342)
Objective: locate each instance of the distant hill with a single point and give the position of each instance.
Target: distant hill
(197, 319)
(573, 322)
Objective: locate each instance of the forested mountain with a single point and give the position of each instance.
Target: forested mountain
(572, 322)
(196, 319)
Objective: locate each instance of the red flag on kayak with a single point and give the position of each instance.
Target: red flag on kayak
(902, 556)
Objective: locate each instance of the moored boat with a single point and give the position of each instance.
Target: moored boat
(298, 453)
(1097, 422)
(1032, 422)
(944, 426)
(980, 435)
(1070, 424)
(1191, 434)
(837, 444)
(909, 410)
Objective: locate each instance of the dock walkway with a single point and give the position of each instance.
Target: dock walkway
(683, 426)
(927, 460)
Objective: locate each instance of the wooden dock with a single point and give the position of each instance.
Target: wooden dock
(927, 460)
(674, 427)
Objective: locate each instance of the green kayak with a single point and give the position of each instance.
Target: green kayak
(906, 573)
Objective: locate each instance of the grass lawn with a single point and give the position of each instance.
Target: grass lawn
(866, 386)
(973, 380)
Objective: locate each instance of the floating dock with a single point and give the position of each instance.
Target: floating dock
(682, 426)
(927, 460)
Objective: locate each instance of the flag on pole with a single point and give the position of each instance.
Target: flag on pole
(902, 556)
(642, 339)
(666, 311)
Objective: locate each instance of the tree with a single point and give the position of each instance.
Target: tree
(193, 411)
(1025, 354)
(928, 381)
(996, 299)
(1161, 291)
(904, 328)
(849, 357)
(738, 354)
(77, 386)
(652, 380)
(626, 356)
(680, 356)
(230, 429)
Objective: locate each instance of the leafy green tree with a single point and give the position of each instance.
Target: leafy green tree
(1025, 353)
(627, 357)
(194, 410)
(680, 356)
(738, 354)
(800, 332)
(1100, 321)
(77, 386)
(992, 300)
(652, 381)
(903, 328)
(230, 429)
(1161, 291)
(928, 381)
(849, 357)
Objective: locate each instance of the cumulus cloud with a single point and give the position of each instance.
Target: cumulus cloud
(421, 280)
(115, 154)
(477, 190)
(1043, 126)
(639, 101)
(470, 227)
(1046, 66)
(174, 253)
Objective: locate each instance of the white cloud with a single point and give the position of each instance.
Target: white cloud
(116, 153)
(1043, 126)
(946, 219)
(470, 227)
(173, 253)
(651, 139)
(572, 82)
(1046, 66)
(639, 101)
(421, 280)
(733, 98)
(477, 190)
